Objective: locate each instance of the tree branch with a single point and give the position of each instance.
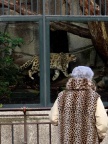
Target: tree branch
(17, 7)
(71, 28)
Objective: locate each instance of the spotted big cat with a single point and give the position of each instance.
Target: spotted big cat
(58, 62)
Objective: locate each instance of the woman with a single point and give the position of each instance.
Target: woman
(78, 111)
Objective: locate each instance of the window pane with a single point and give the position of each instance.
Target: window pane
(19, 63)
(87, 41)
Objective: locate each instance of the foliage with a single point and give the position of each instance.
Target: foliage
(8, 69)
(1, 105)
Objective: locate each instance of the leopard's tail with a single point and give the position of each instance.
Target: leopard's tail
(26, 64)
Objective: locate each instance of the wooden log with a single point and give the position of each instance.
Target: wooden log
(99, 38)
(98, 31)
(17, 7)
(71, 28)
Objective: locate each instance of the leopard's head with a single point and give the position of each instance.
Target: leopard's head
(70, 57)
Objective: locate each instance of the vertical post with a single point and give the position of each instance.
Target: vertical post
(32, 5)
(50, 133)
(89, 7)
(44, 65)
(8, 8)
(44, 46)
(37, 133)
(72, 7)
(55, 7)
(60, 7)
(25, 126)
(77, 7)
(12, 134)
(26, 6)
(84, 7)
(0, 134)
(105, 6)
(20, 7)
(94, 7)
(66, 8)
(14, 7)
(2, 7)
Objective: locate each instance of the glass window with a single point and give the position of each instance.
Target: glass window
(19, 63)
(84, 42)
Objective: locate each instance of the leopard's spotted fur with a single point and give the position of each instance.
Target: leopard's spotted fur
(58, 62)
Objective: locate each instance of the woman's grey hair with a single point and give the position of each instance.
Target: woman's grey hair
(82, 72)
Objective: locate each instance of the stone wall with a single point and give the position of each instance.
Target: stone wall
(18, 130)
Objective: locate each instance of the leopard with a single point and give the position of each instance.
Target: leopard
(58, 62)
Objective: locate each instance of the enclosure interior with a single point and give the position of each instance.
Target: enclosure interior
(20, 59)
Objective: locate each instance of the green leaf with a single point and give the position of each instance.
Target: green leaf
(1, 105)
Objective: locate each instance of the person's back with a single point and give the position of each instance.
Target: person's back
(77, 110)
(76, 107)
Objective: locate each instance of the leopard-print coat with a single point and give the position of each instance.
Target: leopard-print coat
(77, 106)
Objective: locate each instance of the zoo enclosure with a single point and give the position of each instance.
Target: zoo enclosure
(45, 12)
